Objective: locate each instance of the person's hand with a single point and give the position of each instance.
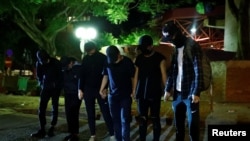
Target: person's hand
(103, 93)
(195, 99)
(133, 94)
(80, 94)
(167, 95)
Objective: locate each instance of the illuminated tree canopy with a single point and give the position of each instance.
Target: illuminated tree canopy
(42, 20)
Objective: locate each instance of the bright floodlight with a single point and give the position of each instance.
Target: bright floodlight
(85, 33)
(193, 30)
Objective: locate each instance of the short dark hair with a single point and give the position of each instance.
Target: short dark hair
(112, 54)
(88, 46)
(145, 41)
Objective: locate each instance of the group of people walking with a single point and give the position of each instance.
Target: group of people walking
(114, 80)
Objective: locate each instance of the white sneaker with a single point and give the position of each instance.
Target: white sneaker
(92, 138)
(112, 138)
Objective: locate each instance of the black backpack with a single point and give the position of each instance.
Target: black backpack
(206, 66)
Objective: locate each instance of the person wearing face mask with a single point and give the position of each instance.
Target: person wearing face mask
(90, 83)
(71, 76)
(149, 78)
(118, 72)
(49, 75)
(184, 78)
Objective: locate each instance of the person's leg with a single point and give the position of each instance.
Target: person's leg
(126, 117)
(142, 106)
(44, 98)
(193, 114)
(55, 94)
(89, 100)
(179, 109)
(103, 104)
(72, 111)
(74, 116)
(115, 110)
(67, 101)
(155, 107)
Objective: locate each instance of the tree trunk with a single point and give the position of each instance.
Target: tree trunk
(241, 14)
(244, 29)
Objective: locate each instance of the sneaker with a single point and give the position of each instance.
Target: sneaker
(92, 138)
(51, 131)
(39, 134)
(112, 138)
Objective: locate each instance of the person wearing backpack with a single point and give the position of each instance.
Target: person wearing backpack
(185, 80)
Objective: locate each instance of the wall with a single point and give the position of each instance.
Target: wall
(238, 81)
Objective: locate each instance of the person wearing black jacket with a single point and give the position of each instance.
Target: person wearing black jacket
(49, 77)
(90, 83)
(71, 77)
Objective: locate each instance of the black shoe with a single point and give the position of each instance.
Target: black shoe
(51, 132)
(73, 138)
(67, 137)
(39, 134)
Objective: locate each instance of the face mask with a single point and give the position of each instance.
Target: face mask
(146, 51)
(179, 40)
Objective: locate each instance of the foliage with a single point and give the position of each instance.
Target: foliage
(133, 37)
(106, 39)
(42, 20)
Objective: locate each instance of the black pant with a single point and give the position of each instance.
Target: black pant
(144, 106)
(45, 96)
(90, 97)
(72, 107)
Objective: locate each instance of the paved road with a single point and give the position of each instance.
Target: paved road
(16, 126)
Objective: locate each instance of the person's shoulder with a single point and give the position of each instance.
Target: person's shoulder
(101, 55)
(77, 66)
(157, 54)
(127, 58)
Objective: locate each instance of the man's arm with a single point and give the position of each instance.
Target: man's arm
(135, 80)
(103, 90)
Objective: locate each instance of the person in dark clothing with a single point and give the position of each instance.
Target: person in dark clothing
(90, 83)
(118, 72)
(71, 76)
(165, 38)
(184, 78)
(150, 76)
(49, 77)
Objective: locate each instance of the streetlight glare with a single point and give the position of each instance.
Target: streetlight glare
(86, 33)
(193, 30)
(91, 32)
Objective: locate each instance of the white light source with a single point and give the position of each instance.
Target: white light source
(193, 30)
(85, 34)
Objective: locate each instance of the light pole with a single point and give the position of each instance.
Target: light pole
(85, 34)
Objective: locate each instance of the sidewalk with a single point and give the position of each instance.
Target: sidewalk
(18, 126)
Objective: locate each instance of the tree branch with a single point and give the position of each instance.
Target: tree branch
(233, 9)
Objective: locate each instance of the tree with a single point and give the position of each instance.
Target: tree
(42, 20)
(241, 14)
